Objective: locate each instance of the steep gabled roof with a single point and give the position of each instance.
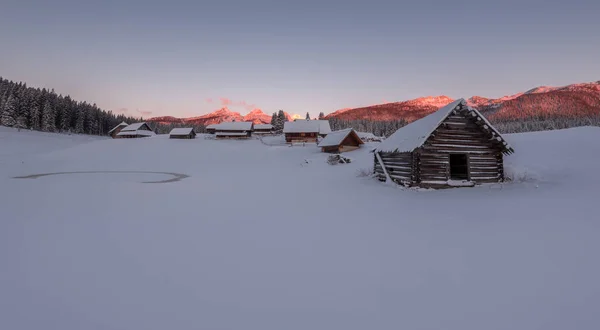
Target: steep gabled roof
(234, 126)
(136, 133)
(122, 124)
(135, 127)
(337, 137)
(324, 127)
(414, 135)
(181, 131)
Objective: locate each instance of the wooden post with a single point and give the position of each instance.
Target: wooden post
(387, 176)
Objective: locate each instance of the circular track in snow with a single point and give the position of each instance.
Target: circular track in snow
(175, 176)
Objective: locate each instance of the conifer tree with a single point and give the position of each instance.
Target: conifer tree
(307, 116)
(34, 120)
(48, 118)
(321, 116)
(274, 119)
(8, 115)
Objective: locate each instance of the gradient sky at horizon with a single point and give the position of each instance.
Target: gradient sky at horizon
(188, 58)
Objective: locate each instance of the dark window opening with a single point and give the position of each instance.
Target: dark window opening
(459, 168)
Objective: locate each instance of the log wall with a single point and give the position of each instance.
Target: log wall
(461, 134)
(398, 165)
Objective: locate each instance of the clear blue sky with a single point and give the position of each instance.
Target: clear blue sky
(173, 57)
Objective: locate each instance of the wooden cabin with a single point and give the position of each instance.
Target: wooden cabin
(117, 129)
(303, 130)
(182, 133)
(137, 130)
(454, 146)
(234, 130)
(341, 141)
(263, 129)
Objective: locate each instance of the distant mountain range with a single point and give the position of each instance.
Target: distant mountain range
(256, 116)
(575, 100)
(572, 100)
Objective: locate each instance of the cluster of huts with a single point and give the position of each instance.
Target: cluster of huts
(454, 146)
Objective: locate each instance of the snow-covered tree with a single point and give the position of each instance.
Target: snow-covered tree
(274, 118)
(281, 119)
(8, 115)
(321, 116)
(35, 116)
(48, 118)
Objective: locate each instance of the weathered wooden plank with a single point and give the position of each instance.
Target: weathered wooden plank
(484, 172)
(489, 177)
(457, 141)
(397, 165)
(459, 145)
(399, 177)
(390, 159)
(478, 167)
(462, 151)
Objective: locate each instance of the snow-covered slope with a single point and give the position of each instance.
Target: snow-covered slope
(271, 237)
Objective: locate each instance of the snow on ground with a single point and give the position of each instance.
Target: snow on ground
(271, 237)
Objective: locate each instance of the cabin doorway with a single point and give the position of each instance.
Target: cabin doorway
(459, 167)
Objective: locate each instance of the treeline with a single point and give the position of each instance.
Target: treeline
(543, 123)
(378, 128)
(504, 125)
(45, 110)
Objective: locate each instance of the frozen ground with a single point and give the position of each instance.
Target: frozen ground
(271, 237)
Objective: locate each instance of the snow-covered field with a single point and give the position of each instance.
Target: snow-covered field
(271, 237)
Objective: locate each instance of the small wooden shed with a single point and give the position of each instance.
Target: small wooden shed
(234, 130)
(303, 130)
(182, 133)
(136, 130)
(117, 129)
(341, 141)
(454, 146)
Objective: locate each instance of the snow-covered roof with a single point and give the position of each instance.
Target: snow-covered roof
(231, 134)
(136, 133)
(181, 131)
(263, 126)
(234, 126)
(133, 127)
(335, 138)
(307, 126)
(413, 135)
(122, 124)
(369, 136)
(212, 126)
(324, 127)
(301, 126)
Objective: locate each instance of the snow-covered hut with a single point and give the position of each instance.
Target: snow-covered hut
(182, 133)
(303, 130)
(263, 129)
(341, 141)
(136, 130)
(234, 130)
(117, 129)
(454, 146)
